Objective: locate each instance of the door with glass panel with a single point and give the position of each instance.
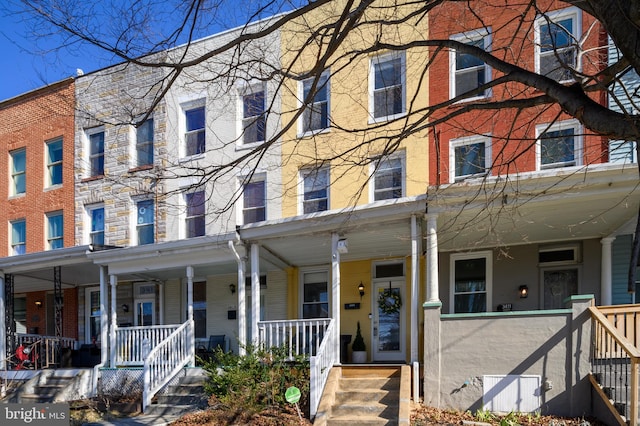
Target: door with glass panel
(389, 331)
(145, 312)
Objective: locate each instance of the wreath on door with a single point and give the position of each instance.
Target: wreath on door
(389, 301)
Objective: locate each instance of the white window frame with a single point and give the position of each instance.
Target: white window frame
(373, 168)
(469, 140)
(88, 316)
(577, 143)
(184, 107)
(136, 143)
(324, 79)
(571, 12)
(466, 38)
(19, 243)
(88, 157)
(488, 256)
(379, 59)
(242, 181)
(186, 217)
(13, 188)
(318, 270)
(134, 220)
(301, 193)
(49, 216)
(245, 90)
(88, 210)
(50, 165)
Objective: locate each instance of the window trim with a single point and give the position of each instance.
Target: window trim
(49, 165)
(373, 168)
(137, 225)
(185, 227)
(327, 84)
(184, 107)
(380, 59)
(303, 173)
(12, 246)
(466, 38)
(88, 210)
(50, 238)
(469, 140)
(12, 174)
(488, 256)
(137, 144)
(89, 156)
(242, 181)
(578, 146)
(570, 12)
(302, 273)
(242, 91)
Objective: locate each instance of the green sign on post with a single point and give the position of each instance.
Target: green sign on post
(292, 395)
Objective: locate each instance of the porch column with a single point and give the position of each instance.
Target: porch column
(104, 317)
(415, 287)
(192, 342)
(335, 292)
(241, 313)
(114, 321)
(3, 325)
(432, 259)
(605, 271)
(161, 302)
(255, 292)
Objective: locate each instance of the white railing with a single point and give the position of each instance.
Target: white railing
(47, 348)
(166, 359)
(320, 365)
(134, 343)
(300, 337)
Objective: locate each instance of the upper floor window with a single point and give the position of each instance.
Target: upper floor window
(96, 233)
(469, 157)
(386, 82)
(468, 72)
(557, 37)
(96, 151)
(254, 207)
(388, 178)
(55, 230)
(18, 237)
(253, 117)
(315, 115)
(144, 143)
(559, 145)
(315, 186)
(145, 223)
(54, 162)
(471, 278)
(195, 141)
(19, 171)
(195, 220)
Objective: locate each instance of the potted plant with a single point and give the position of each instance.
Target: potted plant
(359, 349)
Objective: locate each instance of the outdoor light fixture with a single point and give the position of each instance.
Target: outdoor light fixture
(39, 303)
(524, 291)
(343, 246)
(361, 289)
(125, 307)
(232, 288)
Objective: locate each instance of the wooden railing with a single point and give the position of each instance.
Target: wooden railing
(300, 337)
(47, 348)
(615, 359)
(166, 359)
(134, 343)
(320, 365)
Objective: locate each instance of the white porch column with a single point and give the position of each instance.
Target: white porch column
(432, 259)
(335, 292)
(415, 287)
(241, 312)
(104, 316)
(114, 322)
(3, 326)
(192, 338)
(605, 271)
(255, 292)
(161, 302)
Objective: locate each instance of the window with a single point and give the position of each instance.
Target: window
(559, 145)
(253, 117)
(93, 313)
(96, 152)
(315, 197)
(200, 309)
(96, 234)
(144, 143)
(315, 302)
(55, 231)
(18, 237)
(54, 162)
(195, 220)
(388, 178)
(145, 224)
(471, 277)
(469, 157)
(557, 35)
(387, 86)
(18, 171)
(469, 72)
(195, 141)
(254, 205)
(558, 284)
(316, 113)
(622, 152)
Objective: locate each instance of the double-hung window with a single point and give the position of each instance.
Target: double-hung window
(315, 116)
(96, 152)
(54, 162)
(144, 143)
(145, 223)
(387, 86)
(96, 233)
(559, 145)
(468, 72)
(469, 157)
(254, 202)
(195, 220)
(18, 237)
(253, 117)
(194, 138)
(19, 171)
(557, 37)
(471, 277)
(315, 190)
(55, 231)
(388, 178)
(315, 295)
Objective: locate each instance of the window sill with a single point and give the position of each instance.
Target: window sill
(16, 196)
(485, 98)
(245, 146)
(92, 178)
(53, 187)
(313, 133)
(141, 168)
(373, 120)
(193, 157)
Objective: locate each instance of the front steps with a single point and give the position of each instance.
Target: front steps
(366, 395)
(188, 394)
(53, 386)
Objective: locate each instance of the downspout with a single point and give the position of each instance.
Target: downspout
(242, 313)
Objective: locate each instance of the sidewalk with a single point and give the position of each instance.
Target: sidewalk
(160, 420)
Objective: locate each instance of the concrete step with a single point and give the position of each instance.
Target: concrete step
(168, 409)
(366, 396)
(365, 411)
(182, 399)
(186, 390)
(347, 384)
(356, 421)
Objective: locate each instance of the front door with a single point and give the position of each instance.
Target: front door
(389, 330)
(145, 312)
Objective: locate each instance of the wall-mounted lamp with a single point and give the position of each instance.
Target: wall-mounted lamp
(232, 288)
(524, 291)
(125, 307)
(343, 246)
(38, 304)
(361, 289)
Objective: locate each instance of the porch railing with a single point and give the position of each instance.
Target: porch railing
(134, 343)
(615, 360)
(300, 337)
(166, 359)
(320, 365)
(47, 348)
